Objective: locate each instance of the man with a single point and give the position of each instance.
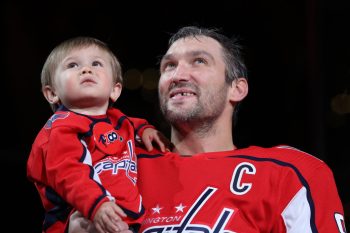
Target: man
(206, 183)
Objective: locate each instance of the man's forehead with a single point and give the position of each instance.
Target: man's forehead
(191, 44)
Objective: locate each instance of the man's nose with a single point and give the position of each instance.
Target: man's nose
(181, 73)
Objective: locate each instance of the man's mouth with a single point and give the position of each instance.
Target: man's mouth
(180, 93)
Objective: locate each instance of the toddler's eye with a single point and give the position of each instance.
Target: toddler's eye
(96, 63)
(72, 65)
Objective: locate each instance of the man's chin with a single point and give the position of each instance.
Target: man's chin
(179, 115)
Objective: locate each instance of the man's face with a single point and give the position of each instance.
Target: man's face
(192, 84)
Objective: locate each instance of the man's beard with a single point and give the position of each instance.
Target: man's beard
(182, 115)
(204, 112)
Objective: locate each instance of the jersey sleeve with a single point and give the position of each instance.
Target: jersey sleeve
(140, 125)
(70, 173)
(329, 214)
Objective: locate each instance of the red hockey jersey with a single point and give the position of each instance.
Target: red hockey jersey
(80, 162)
(272, 190)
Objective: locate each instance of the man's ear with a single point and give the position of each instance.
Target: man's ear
(116, 91)
(50, 95)
(238, 90)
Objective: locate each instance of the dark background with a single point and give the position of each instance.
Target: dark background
(297, 53)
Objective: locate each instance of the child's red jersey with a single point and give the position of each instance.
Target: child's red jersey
(74, 166)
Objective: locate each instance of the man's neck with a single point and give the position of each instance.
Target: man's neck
(192, 142)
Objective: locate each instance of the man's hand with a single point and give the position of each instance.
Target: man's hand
(104, 222)
(151, 135)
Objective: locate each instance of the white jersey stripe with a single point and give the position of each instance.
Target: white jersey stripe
(297, 214)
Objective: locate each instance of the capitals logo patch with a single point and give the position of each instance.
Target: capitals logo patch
(126, 162)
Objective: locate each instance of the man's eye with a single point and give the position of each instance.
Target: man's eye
(72, 65)
(169, 65)
(200, 61)
(96, 63)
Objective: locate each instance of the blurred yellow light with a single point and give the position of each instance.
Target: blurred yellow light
(150, 79)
